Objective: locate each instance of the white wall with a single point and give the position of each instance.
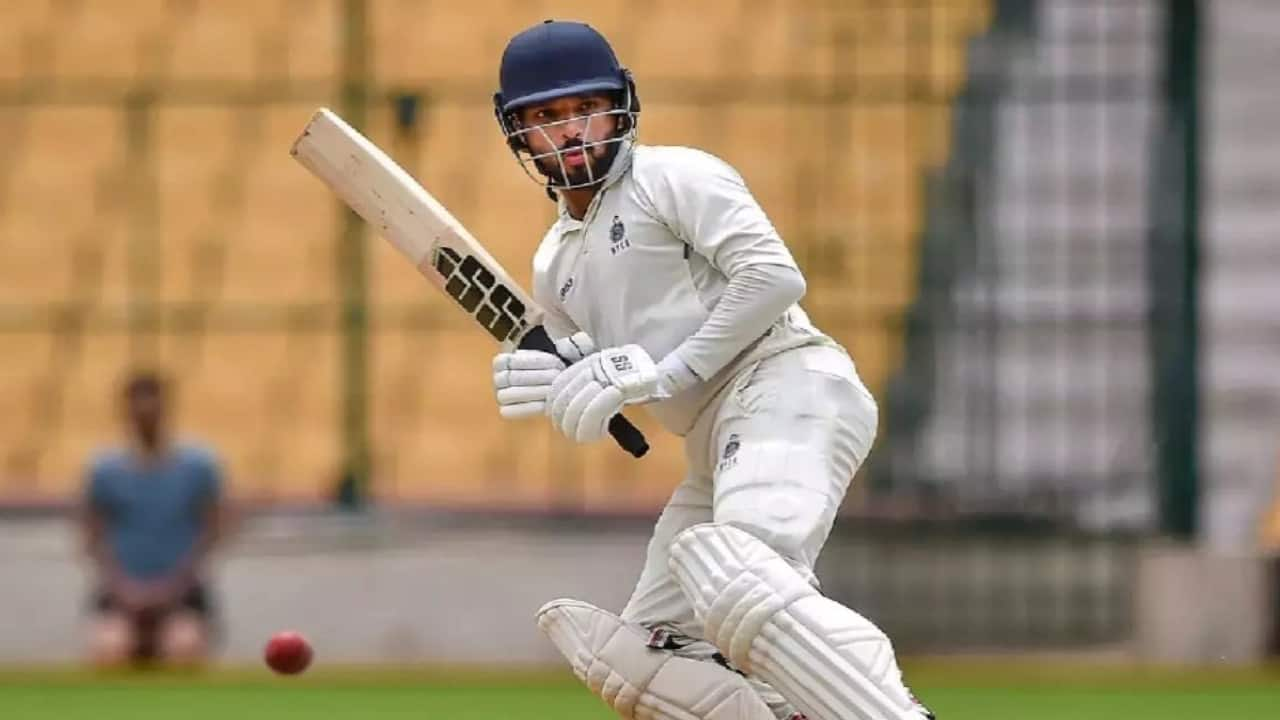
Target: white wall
(453, 595)
(373, 592)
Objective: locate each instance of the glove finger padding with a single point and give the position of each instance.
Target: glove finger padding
(579, 398)
(566, 387)
(520, 395)
(525, 378)
(526, 360)
(592, 396)
(593, 422)
(521, 401)
(520, 411)
(524, 368)
(522, 380)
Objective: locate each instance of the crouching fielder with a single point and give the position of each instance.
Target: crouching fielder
(667, 286)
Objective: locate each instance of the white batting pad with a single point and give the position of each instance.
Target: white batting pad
(640, 682)
(828, 660)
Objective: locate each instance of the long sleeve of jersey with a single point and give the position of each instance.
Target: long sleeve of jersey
(756, 296)
(706, 203)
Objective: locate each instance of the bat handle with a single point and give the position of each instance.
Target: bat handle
(627, 435)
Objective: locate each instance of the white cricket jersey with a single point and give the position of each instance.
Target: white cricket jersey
(650, 259)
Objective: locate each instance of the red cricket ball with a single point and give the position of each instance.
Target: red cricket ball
(288, 653)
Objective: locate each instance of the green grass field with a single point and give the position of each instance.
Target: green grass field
(957, 691)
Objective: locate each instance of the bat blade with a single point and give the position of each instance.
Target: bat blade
(416, 223)
(429, 236)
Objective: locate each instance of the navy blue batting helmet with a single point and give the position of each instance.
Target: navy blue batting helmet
(554, 59)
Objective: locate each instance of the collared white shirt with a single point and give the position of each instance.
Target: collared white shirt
(650, 259)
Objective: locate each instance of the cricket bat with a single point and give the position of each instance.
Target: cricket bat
(439, 246)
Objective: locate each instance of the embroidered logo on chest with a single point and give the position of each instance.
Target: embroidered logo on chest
(618, 240)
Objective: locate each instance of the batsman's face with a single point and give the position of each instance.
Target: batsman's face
(569, 137)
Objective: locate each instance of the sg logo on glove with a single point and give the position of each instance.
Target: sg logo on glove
(621, 363)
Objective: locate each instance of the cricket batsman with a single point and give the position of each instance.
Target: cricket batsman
(666, 285)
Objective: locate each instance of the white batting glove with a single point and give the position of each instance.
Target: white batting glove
(585, 397)
(522, 378)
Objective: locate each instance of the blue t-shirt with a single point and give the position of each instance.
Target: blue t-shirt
(153, 514)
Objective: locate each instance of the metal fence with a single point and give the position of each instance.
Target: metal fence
(1045, 415)
(1056, 314)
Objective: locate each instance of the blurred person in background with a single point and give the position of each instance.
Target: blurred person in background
(153, 511)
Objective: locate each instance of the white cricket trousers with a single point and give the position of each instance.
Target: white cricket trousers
(773, 454)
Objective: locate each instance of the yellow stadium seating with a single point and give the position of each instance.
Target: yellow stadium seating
(97, 40)
(187, 182)
(90, 369)
(302, 409)
(282, 248)
(13, 48)
(266, 400)
(26, 14)
(196, 200)
(311, 36)
(24, 374)
(442, 41)
(761, 34)
(227, 40)
(686, 41)
(49, 199)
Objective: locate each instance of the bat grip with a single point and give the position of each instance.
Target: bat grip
(627, 435)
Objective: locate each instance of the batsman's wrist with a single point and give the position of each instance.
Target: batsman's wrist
(674, 377)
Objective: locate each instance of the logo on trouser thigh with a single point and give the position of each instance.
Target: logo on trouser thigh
(729, 457)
